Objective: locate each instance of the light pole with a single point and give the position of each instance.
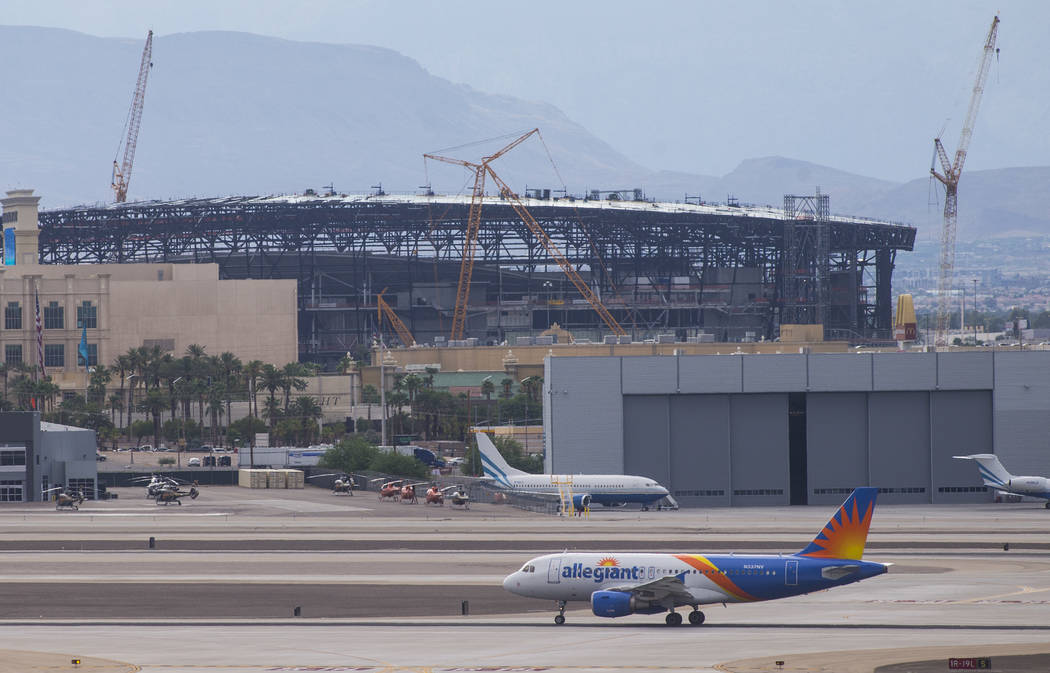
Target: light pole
(382, 393)
(130, 398)
(548, 285)
(182, 428)
(975, 312)
(526, 391)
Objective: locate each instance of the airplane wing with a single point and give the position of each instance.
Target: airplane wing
(659, 589)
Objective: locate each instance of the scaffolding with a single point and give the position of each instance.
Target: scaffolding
(728, 271)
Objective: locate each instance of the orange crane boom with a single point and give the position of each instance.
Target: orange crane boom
(470, 240)
(553, 251)
(950, 179)
(122, 172)
(383, 308)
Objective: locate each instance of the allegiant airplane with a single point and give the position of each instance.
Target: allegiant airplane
(603, 489)
(617, 585)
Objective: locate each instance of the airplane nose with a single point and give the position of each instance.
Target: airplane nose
(511, 583)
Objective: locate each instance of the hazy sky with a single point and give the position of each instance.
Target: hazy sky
(693, 86)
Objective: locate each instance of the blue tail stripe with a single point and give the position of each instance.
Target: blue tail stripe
(492, 470)
(987, 474)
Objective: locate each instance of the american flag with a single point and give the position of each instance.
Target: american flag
(39, 336)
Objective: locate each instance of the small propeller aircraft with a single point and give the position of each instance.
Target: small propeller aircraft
(174, 495)
(344, 483)
(390, 489)
(63, 500)
(457, 496)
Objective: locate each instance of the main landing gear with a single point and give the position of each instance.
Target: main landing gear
(696, 618)
(559, 619)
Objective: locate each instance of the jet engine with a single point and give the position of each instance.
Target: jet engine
(621, 604)
(1033, 485)
(581, 501)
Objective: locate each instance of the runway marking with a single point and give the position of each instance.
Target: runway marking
(1023, 591)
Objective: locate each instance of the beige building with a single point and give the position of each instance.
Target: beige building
(125, 306)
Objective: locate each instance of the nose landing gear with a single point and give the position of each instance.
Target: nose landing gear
(559, 619)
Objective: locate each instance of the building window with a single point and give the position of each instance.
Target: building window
(54, 316)
(85, 486)
(54, 355)
(759, 491)
(12, 315)
(13, 354)
(10, 490)
(16, 457)
(87, 316)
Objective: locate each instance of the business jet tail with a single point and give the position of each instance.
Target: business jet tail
(992, 471)
(845, 534)
(492, 462)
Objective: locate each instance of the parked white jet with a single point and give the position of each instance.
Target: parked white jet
(995, 475)
(605, 489)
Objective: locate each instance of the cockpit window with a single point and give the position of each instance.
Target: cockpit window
(527, 568)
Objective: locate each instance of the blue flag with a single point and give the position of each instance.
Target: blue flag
(82, 350)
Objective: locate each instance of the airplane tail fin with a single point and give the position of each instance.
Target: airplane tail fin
(845, 534)
(492, 462)
(992, 471)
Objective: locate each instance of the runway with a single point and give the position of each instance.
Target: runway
(380, 586)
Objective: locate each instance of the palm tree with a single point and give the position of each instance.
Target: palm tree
(272, 411)
(272, 379)
(487, 388)
(100, 376)
(293, 373)
(116, 403)
(252, 372)
(229, 368)
(308, 411)
(4, 369)
(412, 383)
(506, 383)
(154, 403)
(216, 395)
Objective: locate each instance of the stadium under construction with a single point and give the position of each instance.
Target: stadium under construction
(723, 272)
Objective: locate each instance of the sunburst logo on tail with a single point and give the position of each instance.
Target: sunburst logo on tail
(608, 562)
(845, 534)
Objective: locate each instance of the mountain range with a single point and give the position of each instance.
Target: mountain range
(235, 113)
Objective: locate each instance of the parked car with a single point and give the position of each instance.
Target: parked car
(193, 462)
(99, 457)
(146, 447)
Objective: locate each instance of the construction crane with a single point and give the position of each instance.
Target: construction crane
(383, 308)
(950, 179)
(459, 315)
(552, 250)
(470, 241)
(122, 171)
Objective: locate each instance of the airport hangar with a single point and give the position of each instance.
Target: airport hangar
(800, 428)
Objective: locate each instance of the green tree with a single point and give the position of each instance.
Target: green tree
(306, 411)
(352, 454)
(155, 402)
(140, 429)
(402, 466)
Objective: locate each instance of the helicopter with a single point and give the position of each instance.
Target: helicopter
(390, 489)
(174, 495)
(63, 500)
(158, 483)
(344, 483)
(408, 493)
(434, 496)
(457, 495)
